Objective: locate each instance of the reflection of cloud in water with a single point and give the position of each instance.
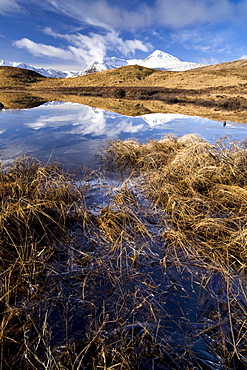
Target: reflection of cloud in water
(73, 133)
(155, 119)
(88, 121)
(102, 128)
(47, 121)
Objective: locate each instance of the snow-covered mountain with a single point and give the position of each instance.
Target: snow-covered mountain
(164, 61)
(47, 72)
(110, 63)
(157, 60)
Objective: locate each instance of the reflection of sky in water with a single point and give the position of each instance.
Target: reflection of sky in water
(73, 133)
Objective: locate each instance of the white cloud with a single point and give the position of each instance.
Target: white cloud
(39, 49)
(95, 44)
(210, 60)
(101, 14)
(175, 14)
(84, 49)
(146, 14)
(9, 6)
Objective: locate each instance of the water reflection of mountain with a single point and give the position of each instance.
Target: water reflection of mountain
(74, 133)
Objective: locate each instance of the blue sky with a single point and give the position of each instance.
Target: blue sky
(71, 34)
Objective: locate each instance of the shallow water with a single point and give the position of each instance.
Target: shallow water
(74, 134)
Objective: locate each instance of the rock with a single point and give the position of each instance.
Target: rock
(1, 106)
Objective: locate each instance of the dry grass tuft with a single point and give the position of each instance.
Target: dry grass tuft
(201, 188)
(37, 204)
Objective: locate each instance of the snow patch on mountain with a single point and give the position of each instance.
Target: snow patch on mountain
(110, 63)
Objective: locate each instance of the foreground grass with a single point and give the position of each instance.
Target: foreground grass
(201, 187)
(149, 274)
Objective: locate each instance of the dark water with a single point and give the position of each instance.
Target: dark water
(73, 133)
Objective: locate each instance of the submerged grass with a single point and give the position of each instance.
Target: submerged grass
(146, 274)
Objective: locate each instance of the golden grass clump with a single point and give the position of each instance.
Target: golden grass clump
(37, 204)
(200, 186)
(198, 190)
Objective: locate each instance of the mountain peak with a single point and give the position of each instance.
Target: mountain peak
(159, 56)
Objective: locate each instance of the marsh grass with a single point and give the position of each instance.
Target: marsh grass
(201, 188)
(146, 274)
(37, 205)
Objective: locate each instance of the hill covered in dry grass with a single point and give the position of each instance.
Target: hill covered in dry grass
(217, 91)
(12, 78)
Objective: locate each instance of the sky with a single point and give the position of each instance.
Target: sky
(72, 34)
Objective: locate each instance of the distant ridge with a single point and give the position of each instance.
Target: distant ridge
(157, 60)
(46, 72)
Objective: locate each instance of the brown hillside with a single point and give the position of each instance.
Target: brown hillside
(217, 76)
(11, 78)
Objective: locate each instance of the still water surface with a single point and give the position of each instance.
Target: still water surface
(74, 134)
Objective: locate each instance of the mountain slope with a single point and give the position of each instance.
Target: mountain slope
(12, 77)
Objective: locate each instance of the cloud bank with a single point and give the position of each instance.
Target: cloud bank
(116, 15)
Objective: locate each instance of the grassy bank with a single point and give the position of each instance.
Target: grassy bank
(148, 273)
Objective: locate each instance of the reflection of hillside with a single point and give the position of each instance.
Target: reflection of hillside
(134, 107)
(127, 107)
(20, 100)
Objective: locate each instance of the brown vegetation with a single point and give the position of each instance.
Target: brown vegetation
(147, 274)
